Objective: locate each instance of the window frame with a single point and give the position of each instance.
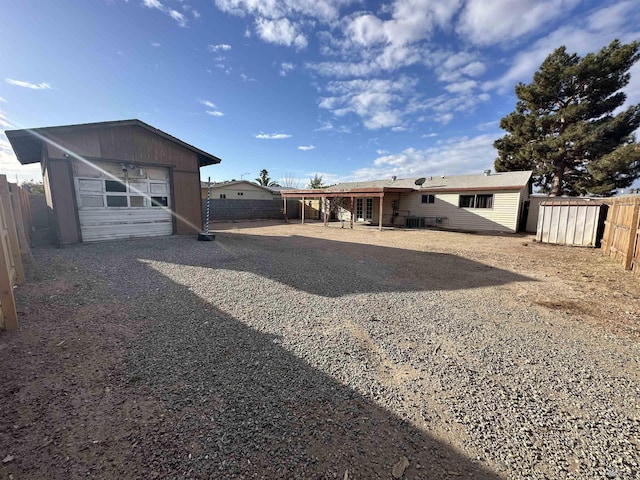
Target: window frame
(428, 198)
(486, 199)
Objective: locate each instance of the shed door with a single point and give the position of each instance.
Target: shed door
(122, 200)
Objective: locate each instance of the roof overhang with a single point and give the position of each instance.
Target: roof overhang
(27, 143)
(353, 192)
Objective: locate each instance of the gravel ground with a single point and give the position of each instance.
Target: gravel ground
(299, 352)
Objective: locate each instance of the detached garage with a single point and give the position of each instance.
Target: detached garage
(114, 180)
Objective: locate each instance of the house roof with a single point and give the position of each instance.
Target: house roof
(236, 182)
(27, 143)
(453, 183)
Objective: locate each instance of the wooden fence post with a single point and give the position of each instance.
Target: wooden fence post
(10, 223)
(16, 204)
(633, 231)
(7, 270)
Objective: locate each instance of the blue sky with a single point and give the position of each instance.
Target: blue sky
(352, 90)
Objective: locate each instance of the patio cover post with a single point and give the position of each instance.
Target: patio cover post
(380, 213)
(351, 213)
(284, 209)
(303, 209)
(324, 209)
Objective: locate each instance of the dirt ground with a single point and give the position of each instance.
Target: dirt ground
(68, 406)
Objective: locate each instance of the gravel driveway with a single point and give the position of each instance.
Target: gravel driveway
(295, 353)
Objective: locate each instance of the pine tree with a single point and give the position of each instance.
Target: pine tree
(564, 127)
(316, 182)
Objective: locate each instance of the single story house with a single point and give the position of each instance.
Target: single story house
(244, 200)
(484, 202)
(240, 190)
(115, 179)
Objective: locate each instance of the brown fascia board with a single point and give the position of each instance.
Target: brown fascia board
(378, 190)
(25, 143)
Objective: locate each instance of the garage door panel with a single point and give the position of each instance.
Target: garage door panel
(127, 209)
(101, 224)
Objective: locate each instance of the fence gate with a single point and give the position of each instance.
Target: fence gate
(621, 232)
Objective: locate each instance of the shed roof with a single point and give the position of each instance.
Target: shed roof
(27, 143)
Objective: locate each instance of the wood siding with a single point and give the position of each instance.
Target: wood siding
(187, 203)
(131, 144)
(63, 201)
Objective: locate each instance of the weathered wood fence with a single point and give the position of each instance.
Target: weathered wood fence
(15, 241)
(621, 232)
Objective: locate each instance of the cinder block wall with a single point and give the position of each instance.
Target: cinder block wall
(223, 209)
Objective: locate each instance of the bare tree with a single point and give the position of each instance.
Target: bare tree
(288, 180)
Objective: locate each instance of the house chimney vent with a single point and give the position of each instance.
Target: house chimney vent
(393, 178)
(487, 173)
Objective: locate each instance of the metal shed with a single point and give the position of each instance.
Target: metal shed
(571, 221)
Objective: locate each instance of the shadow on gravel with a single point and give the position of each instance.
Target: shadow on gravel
(332, 269)
(237, 403)
(243, 406)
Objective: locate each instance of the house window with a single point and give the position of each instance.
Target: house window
(428, 198)
(240, 193)
(223, 195)
(476, 201)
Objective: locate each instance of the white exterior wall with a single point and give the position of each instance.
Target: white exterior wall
(248, 192)
(503, 217)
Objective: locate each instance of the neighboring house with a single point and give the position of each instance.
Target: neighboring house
(116, 179)
(484, 202)
(240, 190)
(244, 200)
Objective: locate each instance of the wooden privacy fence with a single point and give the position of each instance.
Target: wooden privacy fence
(15, 238)
(621, 232)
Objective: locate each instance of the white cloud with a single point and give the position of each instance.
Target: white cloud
(306, 148)
(281, 32)
(177, 16)
(379, 102)
(215, 113)
(155, 44)
(221, 46)
(208, 103)
(285, 68)
(247, 78)
(323, 10)
(326, 126)
(2, 99)
(196, 13)
(487, 22)
(582, 37)
(454, 156)
(32, 86)
(466, 86)
(429, 135)
(273, 136)
(382, 152)
(4, 121)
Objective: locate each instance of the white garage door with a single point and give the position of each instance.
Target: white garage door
(122, 200)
